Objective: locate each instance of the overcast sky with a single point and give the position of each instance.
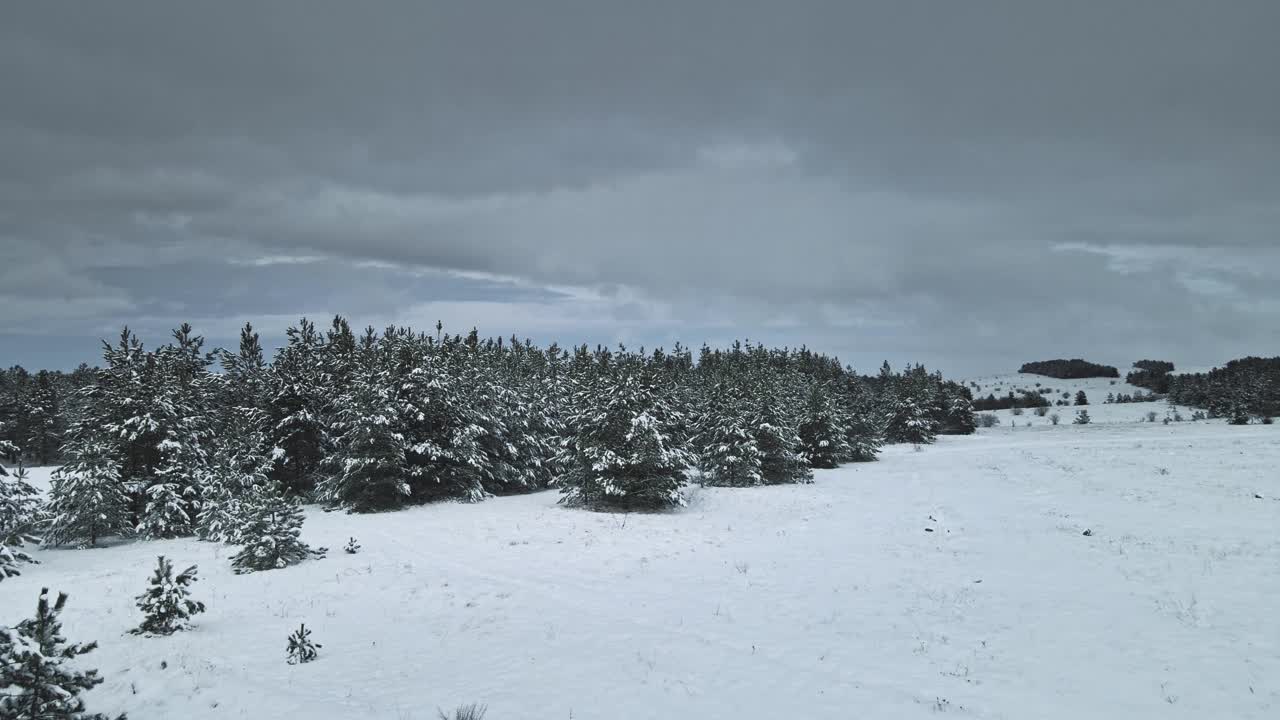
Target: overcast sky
(967, 184)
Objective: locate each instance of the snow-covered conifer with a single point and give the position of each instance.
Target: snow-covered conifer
(87, 500)
(37, 681)
(20, 513)
(822, 437)
(271, 533)
(165, 605)
(301, 649)
(622, 451)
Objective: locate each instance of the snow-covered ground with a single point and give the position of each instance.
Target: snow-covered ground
(955, 580)
(1096, 389)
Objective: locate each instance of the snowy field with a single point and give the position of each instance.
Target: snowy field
(953, 581)
(1096, 389)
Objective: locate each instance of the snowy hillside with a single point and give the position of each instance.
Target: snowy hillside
(1096, 389)
(956, 580)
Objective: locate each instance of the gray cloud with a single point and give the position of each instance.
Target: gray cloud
(966, 184)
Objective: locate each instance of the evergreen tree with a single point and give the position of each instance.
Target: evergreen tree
(1082, 418)
(271, 534)
(620, 451)
(301, 649)
(781, 459)
(442, 451)
(20, 514)
(36, 679)
(165, 605)
(44, 422)
(1081, 398)
(822, 436)
(297, 410)
(369, 452)
(728, 451)
(87, 500)
(909, 421)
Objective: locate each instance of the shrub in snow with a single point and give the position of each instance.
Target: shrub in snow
(352, 547)
(465, 712)
(1016, 410)
(1042, 411)
(271, 534)
(988, 420)
(301, 649)
(1082, 418)
(20, 512)
(1151, 416)
(165, 605)
(36, 680)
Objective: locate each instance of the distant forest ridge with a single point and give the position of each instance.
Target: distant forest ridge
(1069, 369)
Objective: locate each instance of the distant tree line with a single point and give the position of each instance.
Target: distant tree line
(1154, 375)
(1244, 390)
(1070, 369)
(1023, 399)
(179, 441)
(34, 408)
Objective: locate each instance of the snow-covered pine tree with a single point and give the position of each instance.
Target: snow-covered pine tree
(728, 453)
(166, 606)
(87, 500)
(620, 452)
(369, 469)
(958, 418)
(238, 463)
(822, 436)
(20, 514)
(37, 681)
(271, 534)
(44, 422)
(182, 411)
(863, 421)
(301, 649)
(911, 403)
(297, 407)
(781, 458)
(442, 445)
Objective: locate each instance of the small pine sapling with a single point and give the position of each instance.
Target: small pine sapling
(301, 649)
(165, 605)
(1082, 418)
(352, 547)
(35, 677)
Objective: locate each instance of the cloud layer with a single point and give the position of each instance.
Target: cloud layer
(971, 185)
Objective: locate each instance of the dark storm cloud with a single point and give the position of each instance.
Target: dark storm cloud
(964, 183)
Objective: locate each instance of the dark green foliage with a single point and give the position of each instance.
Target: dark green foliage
(1245, 387)
(36, 680)
(21, 512)
(301, 649)
(272, 533)
(165, 604)
(822, 433)
(624, 451)
(1082, 398)
(1070, 369)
